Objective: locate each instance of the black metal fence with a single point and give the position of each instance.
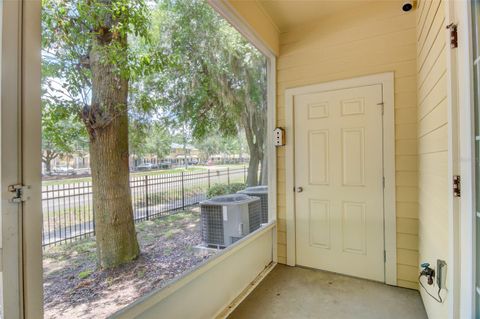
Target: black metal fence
(68, 210)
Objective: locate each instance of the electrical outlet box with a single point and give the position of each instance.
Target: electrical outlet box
(279, 136)
(441, 273)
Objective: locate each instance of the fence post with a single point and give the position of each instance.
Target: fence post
(90, 192)
(183, 192)
(228, 175)
(208, 178)
(146, 195)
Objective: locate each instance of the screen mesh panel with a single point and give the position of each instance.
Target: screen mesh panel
(212, 225)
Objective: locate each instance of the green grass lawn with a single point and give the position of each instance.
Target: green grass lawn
(135, 174)
(146, 173)
(168, 171)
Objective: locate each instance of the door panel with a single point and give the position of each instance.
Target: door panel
(338, 164)
(353, 163)
(318, 157)
(319, 223)
(353, 228)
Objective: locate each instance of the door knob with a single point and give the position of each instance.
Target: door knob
(299, 189)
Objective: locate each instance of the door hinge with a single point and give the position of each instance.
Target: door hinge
(20, 193)
(382, 105)
(453, 35)
(457, 189)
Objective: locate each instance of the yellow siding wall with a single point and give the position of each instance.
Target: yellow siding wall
(432, 140)
(367, 40)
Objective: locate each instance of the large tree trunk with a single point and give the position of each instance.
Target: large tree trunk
(254, 124)
(254, 162)
(107, 122)
(264, 171)
(252, 176)
(114, 227)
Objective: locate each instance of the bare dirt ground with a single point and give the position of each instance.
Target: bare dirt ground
(75, 288)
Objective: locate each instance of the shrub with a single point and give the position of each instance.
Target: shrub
(85, 274)
(224, 189)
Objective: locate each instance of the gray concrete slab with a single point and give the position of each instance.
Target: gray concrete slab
(294, 292)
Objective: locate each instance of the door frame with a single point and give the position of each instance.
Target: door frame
(453, 279)
(31, 154)
(462, 68)
(387, 82)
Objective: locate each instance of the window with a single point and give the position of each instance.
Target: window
(154, 147)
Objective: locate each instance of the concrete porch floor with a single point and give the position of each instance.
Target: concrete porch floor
(293, 292)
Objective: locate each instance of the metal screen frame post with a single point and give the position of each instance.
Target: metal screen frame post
(183, 191)
(146, 197)
(208, 178)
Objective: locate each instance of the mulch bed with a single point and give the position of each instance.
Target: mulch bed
(75, 288)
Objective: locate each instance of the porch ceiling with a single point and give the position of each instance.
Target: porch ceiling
(287, 14)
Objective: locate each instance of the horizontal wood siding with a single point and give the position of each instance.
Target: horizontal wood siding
(374, 39)
(433, 181)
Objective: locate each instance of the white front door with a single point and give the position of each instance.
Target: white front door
(339, 181)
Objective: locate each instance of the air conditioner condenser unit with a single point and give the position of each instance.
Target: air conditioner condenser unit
(226, 219)
(262, 193)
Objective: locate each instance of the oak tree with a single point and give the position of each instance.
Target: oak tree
(92, 47)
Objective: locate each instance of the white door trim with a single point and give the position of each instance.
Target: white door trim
(464, 65)
(387, 82)
(31, 155)
(453, 280)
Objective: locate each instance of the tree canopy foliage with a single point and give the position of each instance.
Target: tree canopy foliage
(229, 145)
(69, 29)
(63, 134)
(184, 63)
(218, 85)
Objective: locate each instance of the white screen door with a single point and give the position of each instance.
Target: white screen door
(339, 181)
(20, 149)
(10, 159)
